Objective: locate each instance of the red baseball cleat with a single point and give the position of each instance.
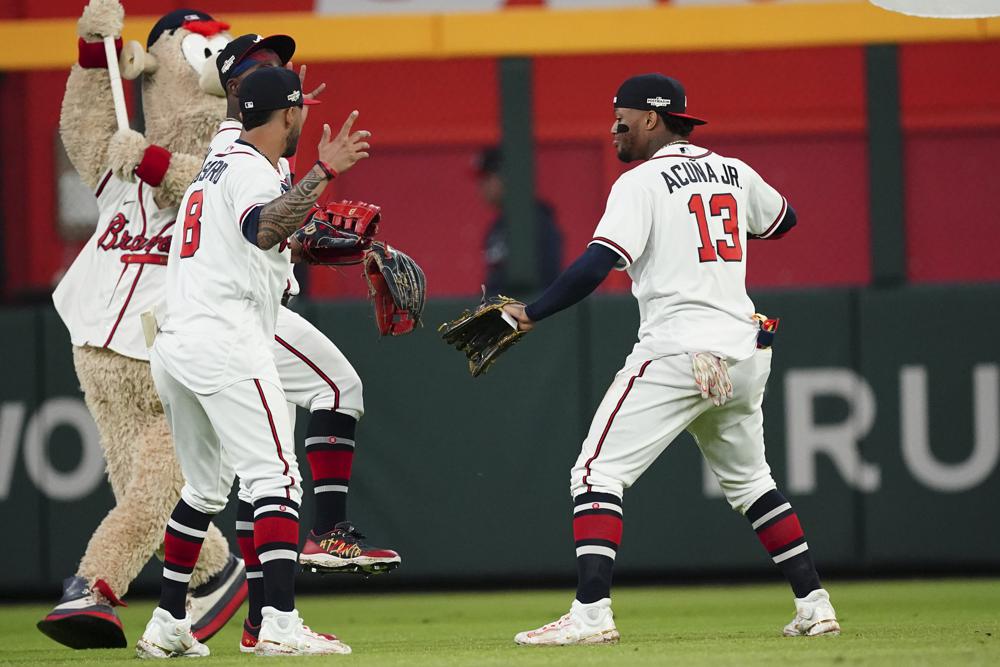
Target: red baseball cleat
(343, 549)
(250, 635)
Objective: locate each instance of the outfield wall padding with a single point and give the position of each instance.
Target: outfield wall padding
(468, 478)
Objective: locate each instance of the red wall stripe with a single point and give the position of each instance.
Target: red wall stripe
(430, 117)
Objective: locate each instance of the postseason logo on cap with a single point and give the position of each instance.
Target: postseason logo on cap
(294, 96)
(229, 63)
(657, 102)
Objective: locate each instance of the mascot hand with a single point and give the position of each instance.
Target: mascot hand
(101, 18)
(125, 152)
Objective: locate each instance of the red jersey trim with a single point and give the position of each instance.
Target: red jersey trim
(777, 221)
(121, 313)
(620, 250)
(142, 209)
(246, 213)
(100, 188)
(145, 258)
(235, 153)
(687, 157)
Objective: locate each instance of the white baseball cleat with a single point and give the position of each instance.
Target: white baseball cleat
(591, 623)
(168, 637)
(282, 633)
(814, 616)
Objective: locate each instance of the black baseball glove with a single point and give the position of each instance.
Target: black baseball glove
(398, 288)
(483, 334)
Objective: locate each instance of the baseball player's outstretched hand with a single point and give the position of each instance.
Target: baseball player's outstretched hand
(344, 150)
(516, 310)
(316, 92)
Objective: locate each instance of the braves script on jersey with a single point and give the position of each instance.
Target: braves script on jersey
(119, 272)
(223, 292)
(680, 222)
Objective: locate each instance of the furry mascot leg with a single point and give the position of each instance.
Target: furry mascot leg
(146, 481)
(142, 468)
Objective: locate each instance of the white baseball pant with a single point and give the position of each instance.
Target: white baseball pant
(647, 407)
(241, 430)
(314, 373)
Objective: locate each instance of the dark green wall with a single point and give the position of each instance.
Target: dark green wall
(469, 478)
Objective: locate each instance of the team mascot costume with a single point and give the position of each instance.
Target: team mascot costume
(138, 180)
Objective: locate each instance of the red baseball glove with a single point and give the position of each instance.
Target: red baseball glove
(340, 233)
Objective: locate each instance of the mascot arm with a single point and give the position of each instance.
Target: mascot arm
(87, 120)
(130, 155)
(180, 173)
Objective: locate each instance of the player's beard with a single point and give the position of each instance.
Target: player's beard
(292, 142)
(624, 149)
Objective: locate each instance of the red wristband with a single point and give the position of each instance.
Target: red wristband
(153, 167)
(92, 54)
(330, 172)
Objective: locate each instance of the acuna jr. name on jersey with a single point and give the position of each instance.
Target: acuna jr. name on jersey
(689, 172)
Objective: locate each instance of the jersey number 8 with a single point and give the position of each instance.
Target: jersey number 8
(724, 206)
(191, 232)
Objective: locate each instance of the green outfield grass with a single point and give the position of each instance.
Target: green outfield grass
(885, 623)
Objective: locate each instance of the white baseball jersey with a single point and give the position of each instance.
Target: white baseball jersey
(228, 132)
(679, 223)
(222, 291)
(120, 272)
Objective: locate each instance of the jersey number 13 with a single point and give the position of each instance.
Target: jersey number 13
(720, 206)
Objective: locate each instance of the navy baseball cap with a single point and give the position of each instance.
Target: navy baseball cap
(655, 92)
(271, 88)
(236, 52)
(174, 20)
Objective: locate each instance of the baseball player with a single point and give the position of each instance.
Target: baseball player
(678, 223)
(314, 374)
(213, 365)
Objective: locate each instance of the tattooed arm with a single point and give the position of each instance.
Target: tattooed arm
(279, 218)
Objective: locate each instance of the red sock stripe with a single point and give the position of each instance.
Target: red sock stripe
(248, 551)
(275, 529)
(598, 527)
(330, 465)
(777, 535)
(180, 552)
